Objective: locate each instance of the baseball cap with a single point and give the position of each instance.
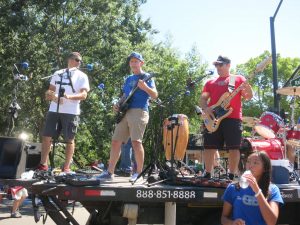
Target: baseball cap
(136, 55)
(222, 59)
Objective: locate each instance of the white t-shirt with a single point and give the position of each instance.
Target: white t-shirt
(79, 81)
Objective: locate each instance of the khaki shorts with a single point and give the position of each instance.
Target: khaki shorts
(132, 125)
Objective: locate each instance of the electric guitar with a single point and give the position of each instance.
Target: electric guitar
(123, 105)
(220, 110)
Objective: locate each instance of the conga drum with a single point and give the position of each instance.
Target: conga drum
(175, 126)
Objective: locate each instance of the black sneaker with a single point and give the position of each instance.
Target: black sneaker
(207, 175)
(230, 176)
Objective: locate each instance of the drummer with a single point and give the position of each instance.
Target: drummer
(291, 154)
(291, 148)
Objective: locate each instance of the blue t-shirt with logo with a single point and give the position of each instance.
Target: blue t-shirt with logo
(140, 98)
(245, 205)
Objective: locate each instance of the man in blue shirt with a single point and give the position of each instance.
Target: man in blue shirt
(134, 123)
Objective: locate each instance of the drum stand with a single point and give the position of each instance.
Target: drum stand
(172, 173)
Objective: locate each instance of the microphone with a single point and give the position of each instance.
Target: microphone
(24, 65)
(191, 83)
(210, 72)
(198, 110)
(89, 67)
(101, 86)
(187, 93)
(18, 75)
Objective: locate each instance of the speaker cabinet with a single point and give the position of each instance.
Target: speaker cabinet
(33, 155)
(12, 157)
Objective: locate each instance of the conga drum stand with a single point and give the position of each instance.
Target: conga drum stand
(172, 173)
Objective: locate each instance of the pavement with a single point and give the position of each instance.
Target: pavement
(80, 214)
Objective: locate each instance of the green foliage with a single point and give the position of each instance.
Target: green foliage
(105, 32)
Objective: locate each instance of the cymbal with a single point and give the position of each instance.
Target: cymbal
(289, 91)
(250, 121)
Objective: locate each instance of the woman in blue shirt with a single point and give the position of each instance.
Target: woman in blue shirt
(258, 204)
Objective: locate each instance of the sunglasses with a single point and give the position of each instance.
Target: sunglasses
(219, 64)
(77, 60)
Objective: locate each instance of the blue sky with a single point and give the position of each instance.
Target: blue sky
(239, 29)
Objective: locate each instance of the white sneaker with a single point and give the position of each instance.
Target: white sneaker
(105, 176)
(134, 177)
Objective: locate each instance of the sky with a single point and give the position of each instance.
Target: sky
(239, 29)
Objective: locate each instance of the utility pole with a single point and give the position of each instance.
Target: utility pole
(274, 60)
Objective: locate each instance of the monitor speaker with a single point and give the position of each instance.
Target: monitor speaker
(12, 157)
(33, 155)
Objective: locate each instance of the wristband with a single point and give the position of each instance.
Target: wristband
(258, 193)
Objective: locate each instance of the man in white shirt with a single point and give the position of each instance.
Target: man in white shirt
(69, 86)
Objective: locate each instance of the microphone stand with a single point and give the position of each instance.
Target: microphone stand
(61, 92)
(14, 106)
(154, 164)
(13, 111)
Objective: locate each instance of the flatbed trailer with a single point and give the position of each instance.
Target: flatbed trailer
(119, 202)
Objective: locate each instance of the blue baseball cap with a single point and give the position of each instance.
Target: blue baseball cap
(136, 55)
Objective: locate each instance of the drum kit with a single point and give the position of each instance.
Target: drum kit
(275, 135)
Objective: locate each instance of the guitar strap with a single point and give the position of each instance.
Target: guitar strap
(231, 84)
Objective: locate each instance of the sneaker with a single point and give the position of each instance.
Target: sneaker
(16, 214)
(105, 176)
(68, 171)
(230, 176)
(207, 175)
(134, 177)
(42, 167)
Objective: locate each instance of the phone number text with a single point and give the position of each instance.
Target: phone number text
(165, 194)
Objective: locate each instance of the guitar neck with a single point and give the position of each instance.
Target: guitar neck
(136, 87)
(231, 96)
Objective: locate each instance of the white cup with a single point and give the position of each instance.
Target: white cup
(243, 181)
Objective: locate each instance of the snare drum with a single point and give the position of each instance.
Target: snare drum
(293, 137)
(269, 125)
(176, 125)
(273, 147)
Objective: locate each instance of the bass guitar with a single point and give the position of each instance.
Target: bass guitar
(123, 105)
(220, 110)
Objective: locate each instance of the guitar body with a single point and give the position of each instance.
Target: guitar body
(125, 104)
(220, 112)
(121, 113)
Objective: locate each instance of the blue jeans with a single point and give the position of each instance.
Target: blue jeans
(127, 157)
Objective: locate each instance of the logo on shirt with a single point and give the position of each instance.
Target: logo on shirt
(249, 200)
(222, 83)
